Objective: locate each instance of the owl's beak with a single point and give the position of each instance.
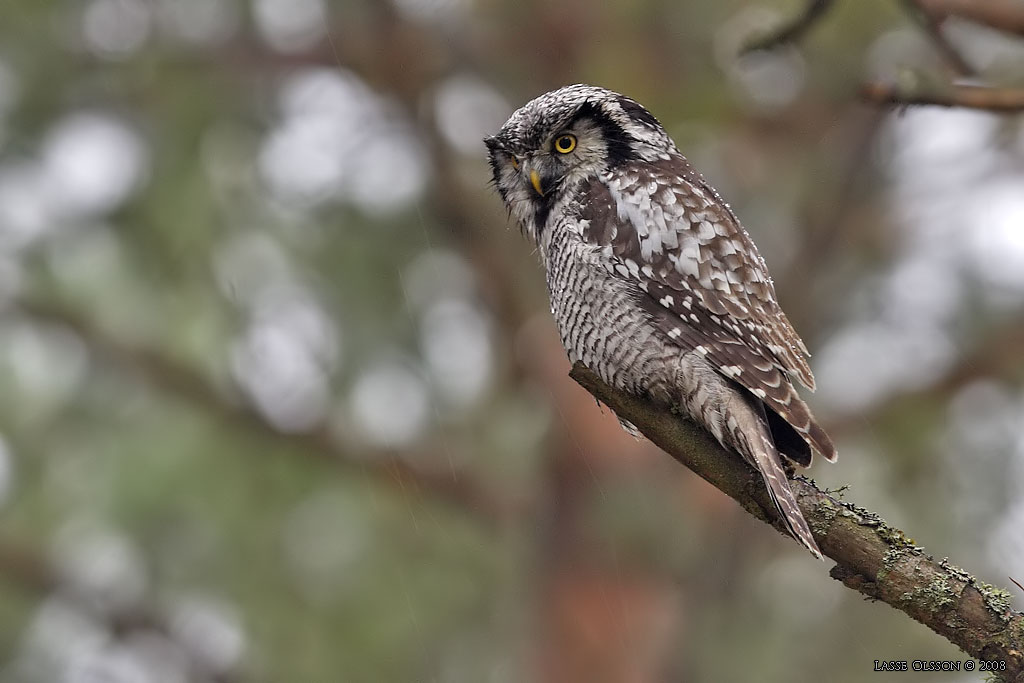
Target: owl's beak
(535, 181)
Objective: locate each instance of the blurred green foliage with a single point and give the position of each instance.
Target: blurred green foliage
(276, 401)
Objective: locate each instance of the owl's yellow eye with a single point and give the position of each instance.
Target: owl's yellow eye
(515, 163)
(565, 143)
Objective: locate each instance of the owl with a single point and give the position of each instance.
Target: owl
(654, 284)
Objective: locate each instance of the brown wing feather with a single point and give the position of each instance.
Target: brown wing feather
(706, 286)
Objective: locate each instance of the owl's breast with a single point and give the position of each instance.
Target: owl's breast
(600, 320)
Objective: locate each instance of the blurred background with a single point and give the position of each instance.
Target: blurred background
(280, 397)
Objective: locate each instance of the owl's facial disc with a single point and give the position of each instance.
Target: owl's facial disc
(550, 146)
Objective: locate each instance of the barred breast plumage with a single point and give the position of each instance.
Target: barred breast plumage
(654, 284)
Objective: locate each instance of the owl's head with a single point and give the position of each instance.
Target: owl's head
(553, 143)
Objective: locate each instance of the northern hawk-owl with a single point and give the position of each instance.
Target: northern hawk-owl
(654, 284)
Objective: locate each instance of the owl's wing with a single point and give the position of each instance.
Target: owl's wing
(707, 288)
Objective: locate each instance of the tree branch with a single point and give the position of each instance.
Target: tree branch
(932, 26)
(872, 557)
(1001, 15)
(794, 30)
(1001, 100)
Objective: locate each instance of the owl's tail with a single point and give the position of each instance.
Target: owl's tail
(751, 437)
